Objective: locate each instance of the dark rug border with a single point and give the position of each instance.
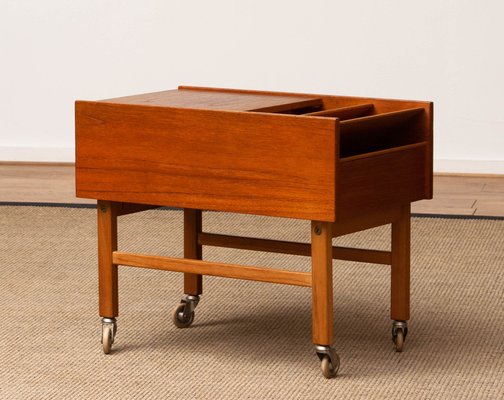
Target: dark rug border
(75, 205)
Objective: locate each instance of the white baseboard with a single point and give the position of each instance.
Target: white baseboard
(37, 154)
(469, 166)
(67, 154)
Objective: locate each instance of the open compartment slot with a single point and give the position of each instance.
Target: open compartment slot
(321, 108)
(381, 131)
(297, 107)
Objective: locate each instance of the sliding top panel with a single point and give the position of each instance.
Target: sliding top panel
(215, 100)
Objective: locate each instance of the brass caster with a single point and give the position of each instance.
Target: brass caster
(109, 329)
(183, 316)
(329, 367)
(329, 361)
(399, 332)
(180, 319)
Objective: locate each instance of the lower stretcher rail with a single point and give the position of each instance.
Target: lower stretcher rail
(213, 268)
(295, 248)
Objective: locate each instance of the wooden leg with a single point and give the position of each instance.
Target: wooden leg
(193, 283)
(400, 276)
(322, 290)
(107, 270)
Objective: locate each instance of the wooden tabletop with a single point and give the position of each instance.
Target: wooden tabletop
(214, 100)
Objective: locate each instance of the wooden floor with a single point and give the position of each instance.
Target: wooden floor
(460, 195)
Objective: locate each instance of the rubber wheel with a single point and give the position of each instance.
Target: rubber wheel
(329, 370)
(179, 320)
(107, 338)
(399, 340)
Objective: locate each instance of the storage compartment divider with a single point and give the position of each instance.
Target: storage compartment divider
(380, 121)
(344, 113)
(383, 152)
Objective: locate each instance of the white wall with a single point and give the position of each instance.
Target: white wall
(55, 51)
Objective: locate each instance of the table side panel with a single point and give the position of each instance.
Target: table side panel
(267, 164)
(381, 180)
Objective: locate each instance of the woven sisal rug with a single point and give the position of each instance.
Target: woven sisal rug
(249, 340)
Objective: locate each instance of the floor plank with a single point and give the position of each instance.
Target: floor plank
(442, 210)
(489, 207)
(39, 183)
(447, 202)
(494, 187)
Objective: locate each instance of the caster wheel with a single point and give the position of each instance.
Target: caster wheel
(399, 333)
(399, 340)
(180, 320)
(329, 360)
(329, 367)
(107, 338)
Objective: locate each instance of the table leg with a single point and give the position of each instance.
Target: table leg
(400, 275)
(183, 316)
(322, 297)
(193, 283)
(107, 270)
(322, 290)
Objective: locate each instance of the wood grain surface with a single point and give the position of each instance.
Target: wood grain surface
(388, 178)
(419, 131)
(267, 164)
(215, 100)
(107, 270)
(193, 283)
(322, 283)
(400, 270)
(261, 274)
(284, 247)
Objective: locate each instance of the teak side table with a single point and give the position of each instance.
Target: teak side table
(344, 163)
